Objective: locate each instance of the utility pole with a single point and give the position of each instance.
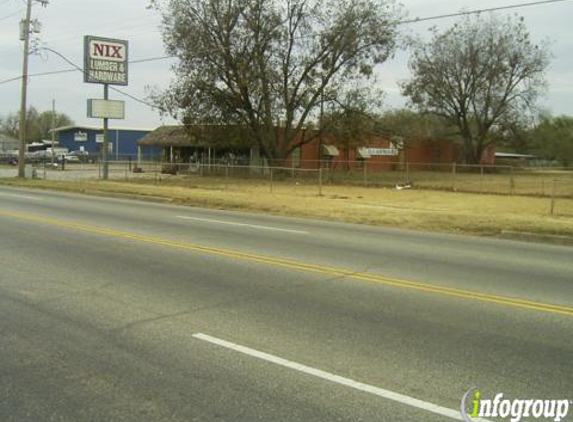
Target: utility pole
(53, 131)
(22, 130)
(25, 30)
(321, 127)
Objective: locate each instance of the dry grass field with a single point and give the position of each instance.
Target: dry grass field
(420, 209)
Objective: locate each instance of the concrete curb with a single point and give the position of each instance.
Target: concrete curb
(537, 238)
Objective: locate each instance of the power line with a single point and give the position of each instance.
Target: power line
(58, 72)
(65, 38)
(477, 12)
(12, 14)
(77, 68)
(151, 59)
(404, 22)
(17, 12)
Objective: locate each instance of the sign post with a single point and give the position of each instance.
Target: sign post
(105, 62)
(105, 136)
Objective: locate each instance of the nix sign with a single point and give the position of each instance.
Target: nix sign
(105, 60)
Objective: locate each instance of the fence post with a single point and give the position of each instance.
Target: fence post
(511, 182)
(481, 180)
(320, 181)
(98, 169)
(227, 177)
(552, 209)
(271, 180)
(126, 169)
(407, 172)
(365, 173)
(454, 177)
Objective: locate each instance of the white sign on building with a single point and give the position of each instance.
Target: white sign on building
(383, 151)
(81, 137)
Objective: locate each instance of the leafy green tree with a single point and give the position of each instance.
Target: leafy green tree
(481, 71)
(47, 118)
(265, 64)
(352, 119)
(552, 139)
(410, 126)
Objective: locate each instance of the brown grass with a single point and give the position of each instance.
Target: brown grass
(413, 209)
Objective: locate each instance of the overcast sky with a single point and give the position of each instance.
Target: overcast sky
(65, 22)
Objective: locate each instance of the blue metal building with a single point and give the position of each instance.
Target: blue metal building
(122, 141)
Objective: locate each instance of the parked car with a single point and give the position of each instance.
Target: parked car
(72, 158)
(80, 157)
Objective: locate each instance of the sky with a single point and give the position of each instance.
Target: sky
(65, 22)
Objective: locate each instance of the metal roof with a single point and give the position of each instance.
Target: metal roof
(88, 127)
(330, 150)
(512, 155)
(364, 153)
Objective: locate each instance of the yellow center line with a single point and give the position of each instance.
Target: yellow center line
(300, 266)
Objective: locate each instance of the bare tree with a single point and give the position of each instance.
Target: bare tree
(38, 125)
(483, 70)
(268, 64)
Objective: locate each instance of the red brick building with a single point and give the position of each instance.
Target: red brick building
(376, 150)
(218, 143)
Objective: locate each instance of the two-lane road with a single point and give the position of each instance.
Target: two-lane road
(121, 310)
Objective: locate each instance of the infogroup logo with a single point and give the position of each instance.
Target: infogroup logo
(516, 409)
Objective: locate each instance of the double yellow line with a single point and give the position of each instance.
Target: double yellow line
(297, 265)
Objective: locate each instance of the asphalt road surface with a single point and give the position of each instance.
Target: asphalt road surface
(118, 310)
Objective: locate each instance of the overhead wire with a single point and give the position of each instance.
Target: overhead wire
(77, 68)
(17, 12)
(403, 22)
(12, 14)
(475, 12)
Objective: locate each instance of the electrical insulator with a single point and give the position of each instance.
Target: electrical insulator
(36, 26)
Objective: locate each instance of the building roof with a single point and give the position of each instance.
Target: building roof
(330, 150)
(512, 155)
(364, 153)
(86, 127)
(168, 136)
(227, 136)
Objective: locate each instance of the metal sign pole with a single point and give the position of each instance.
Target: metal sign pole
(105, 137)
(105, 62)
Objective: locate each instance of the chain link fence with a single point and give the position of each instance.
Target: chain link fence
(553, 183)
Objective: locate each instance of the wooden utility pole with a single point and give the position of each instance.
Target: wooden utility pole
(24, 92)
(53, 131)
